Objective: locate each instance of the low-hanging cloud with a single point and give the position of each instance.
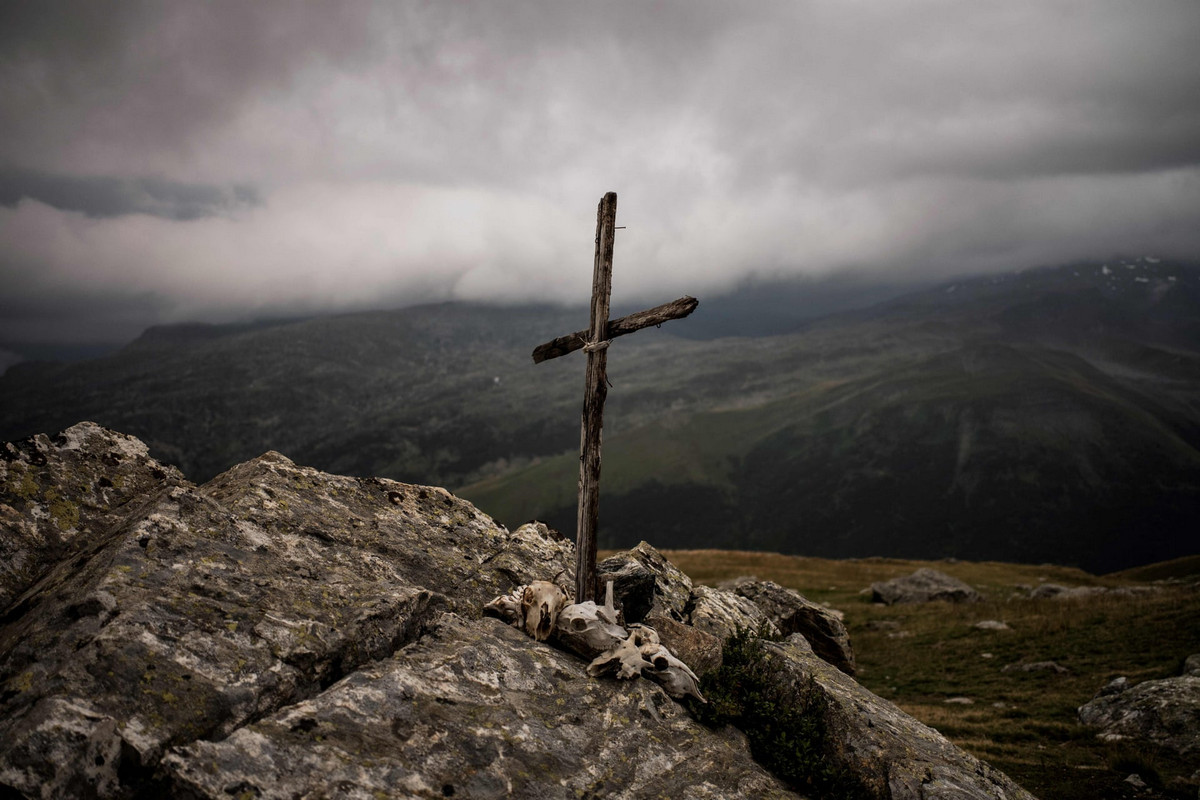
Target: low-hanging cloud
(226, 160)
(115, 197)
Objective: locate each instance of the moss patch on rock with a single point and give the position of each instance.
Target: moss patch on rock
(785, 723)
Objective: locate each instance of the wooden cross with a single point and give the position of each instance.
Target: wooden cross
(594, 341)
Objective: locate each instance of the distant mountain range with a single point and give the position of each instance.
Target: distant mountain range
(1050, 415)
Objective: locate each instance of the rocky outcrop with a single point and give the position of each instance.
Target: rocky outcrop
(646, 583)
(1164, 713)
(923, 586)
(475, 709)
(85, 479)
(889, 753)
(280, 632)
(650, 588)
(206, 608)
(793, 613)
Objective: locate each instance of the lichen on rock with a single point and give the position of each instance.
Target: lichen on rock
(57, 495)
(281, 632)
(1162, 713)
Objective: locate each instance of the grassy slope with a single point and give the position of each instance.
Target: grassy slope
(918, 656)
(696, 450)
(1012, 417)
(984, 451)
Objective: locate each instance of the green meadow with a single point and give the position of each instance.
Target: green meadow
(1024, 722)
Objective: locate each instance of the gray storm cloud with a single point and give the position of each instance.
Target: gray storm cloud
(115, 197)
(168, 161)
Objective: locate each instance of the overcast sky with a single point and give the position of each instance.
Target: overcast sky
(214, 161)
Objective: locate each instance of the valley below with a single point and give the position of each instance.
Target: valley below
(1048, 415)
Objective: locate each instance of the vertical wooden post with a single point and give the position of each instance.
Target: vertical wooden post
(595, 391)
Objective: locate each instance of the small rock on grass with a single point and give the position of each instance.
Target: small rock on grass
(991, 625)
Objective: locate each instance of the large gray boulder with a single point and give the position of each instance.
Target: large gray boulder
(281, 632)
(1162, 713)
(207, 608)
(923, 586)
(722, 613)
(57, 495)
(645, 582)
(891, 754)
(792, 613)
(476, 709)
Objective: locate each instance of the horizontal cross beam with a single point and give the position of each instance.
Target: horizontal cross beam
(676, 309)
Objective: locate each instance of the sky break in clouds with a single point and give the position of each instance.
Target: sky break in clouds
(164, 162)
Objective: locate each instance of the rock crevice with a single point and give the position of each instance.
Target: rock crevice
(281, 632)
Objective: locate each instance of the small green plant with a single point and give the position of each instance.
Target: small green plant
(784, 722)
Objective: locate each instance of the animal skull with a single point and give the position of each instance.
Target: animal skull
(507, 606)
(541, 602)
(583, 629)
(672, 674)
(625, 660)
(644, 637)
(542, 609)
(587, 629)
(643, 654)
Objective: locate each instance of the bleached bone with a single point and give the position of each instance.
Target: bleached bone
(644, 636)
(533, 607)
(543, 609)
(541, 603)
(625, 661)
(643, 654)
(609, 610)
(507, 606)
(587, 629)
(662, 666)
(672, 674)
(583, 629)
(565, 582)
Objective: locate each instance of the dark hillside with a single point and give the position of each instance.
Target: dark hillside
(988, 452)
(1048, 415)
(422, 393)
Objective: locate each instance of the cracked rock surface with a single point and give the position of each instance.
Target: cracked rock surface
(793, 613)
(280, 632)
(85, 479)
(464, 712)
(1162, 713)
(892, 754)
(329, 623)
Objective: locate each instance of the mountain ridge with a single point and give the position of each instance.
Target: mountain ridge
(445, 394)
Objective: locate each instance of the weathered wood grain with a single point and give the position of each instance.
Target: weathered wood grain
(595, 391)
(594, 341)
(676, 309)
